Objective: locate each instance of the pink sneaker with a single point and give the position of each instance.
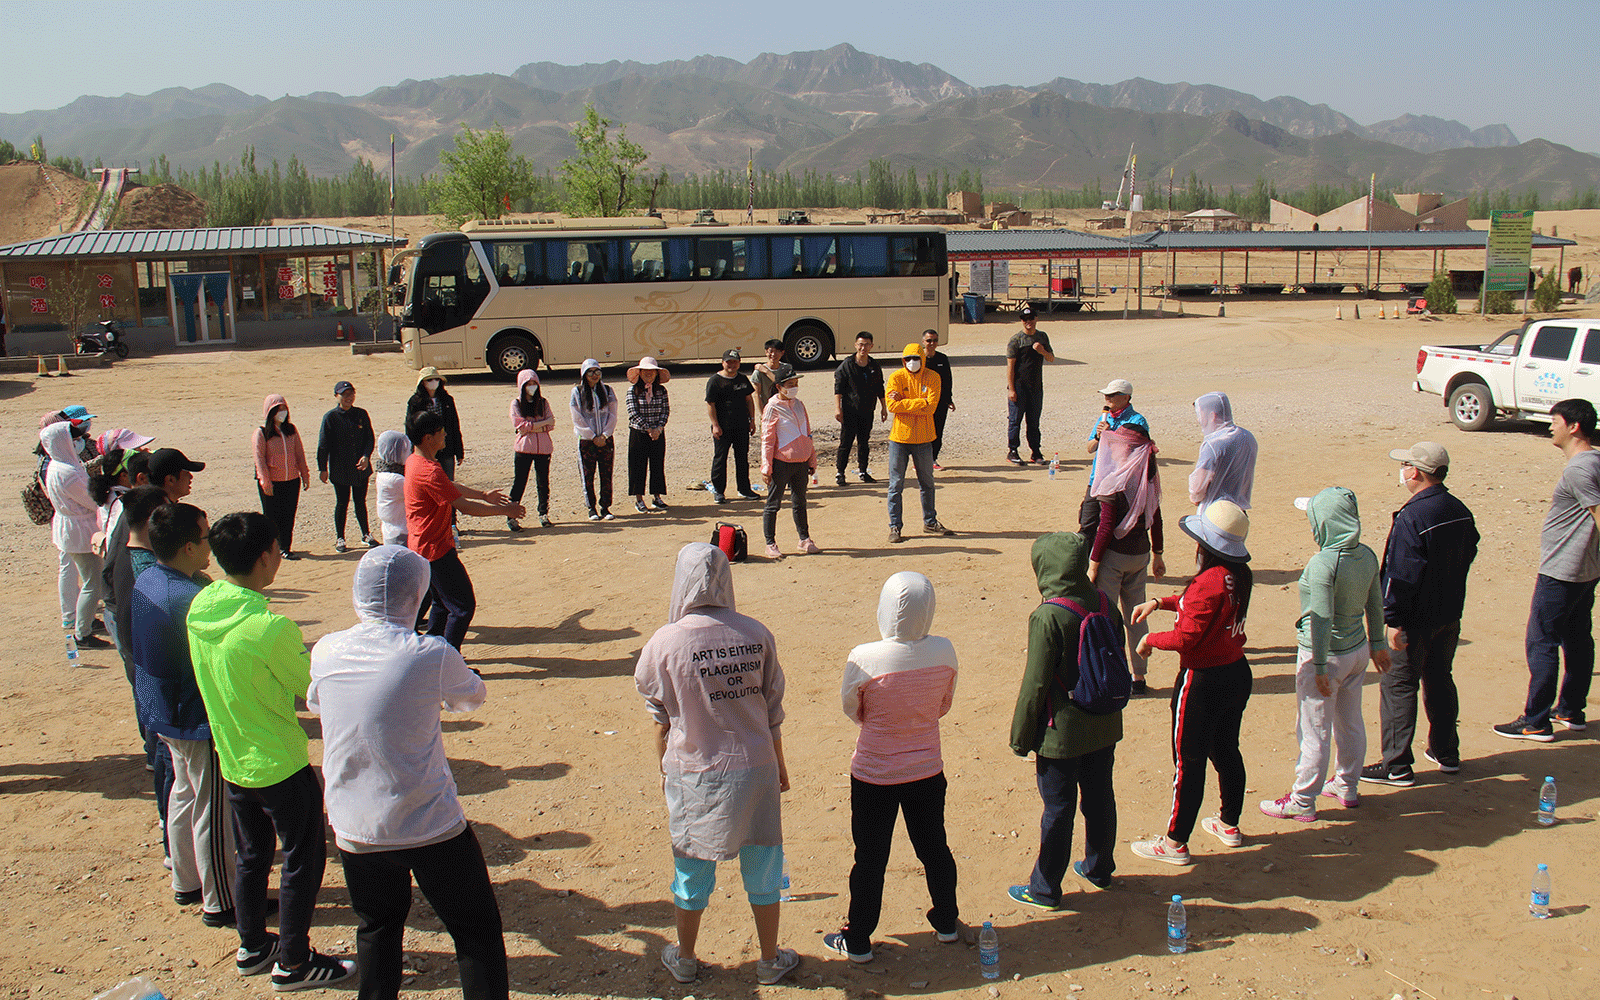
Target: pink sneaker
(1285, 808)
(773, 552)
(1329, 791)
(809, 547)
(1157, 850)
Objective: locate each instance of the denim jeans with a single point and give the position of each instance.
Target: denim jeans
(1561, 622)
(1027, 407)
(920, 455)
(1063, 783)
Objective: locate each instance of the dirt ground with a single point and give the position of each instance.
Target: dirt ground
(36, 201)
(1425, 885)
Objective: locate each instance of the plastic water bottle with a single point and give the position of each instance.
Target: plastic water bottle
(786, 893)
(1539, 899)
(989, 951)
(1547, 801)
(1177, 927)
(1055, 463)
(137, 988)
(72, 650)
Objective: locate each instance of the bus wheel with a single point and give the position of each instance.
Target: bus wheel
(809, 346)
(513, 353)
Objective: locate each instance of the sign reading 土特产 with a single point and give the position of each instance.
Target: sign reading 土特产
(1508, 251)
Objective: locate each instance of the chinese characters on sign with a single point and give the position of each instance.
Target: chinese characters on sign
(108, 301)
(104, 280)
(1509, 251)
(330, 281)
(39, 305)
(36, 281)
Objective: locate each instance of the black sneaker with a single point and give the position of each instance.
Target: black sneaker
(99, 626)
(593, 514)
(935, 528)
(839, 479)
(1036, 458)
(865, 476)
(1449, 765)
(254, 961)
(718, 498)
(1139, 687)
(750, 495)
(639, 506)
(93, 642)
(321, 970)
(1381, 775)
(1519, 729)
(1572, 720)
(1014, 458)
(221, 918)
(188, 897)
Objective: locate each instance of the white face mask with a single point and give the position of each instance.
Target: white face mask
(282, 416)
(432, 384)
(528, 392)
(1402, 475)
(914, 365)
(789, 391)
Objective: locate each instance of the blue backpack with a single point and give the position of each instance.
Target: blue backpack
(1104, 683)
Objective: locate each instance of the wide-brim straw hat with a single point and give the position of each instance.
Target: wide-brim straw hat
(662, 375)
(1221, 528)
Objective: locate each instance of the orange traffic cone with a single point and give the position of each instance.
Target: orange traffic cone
(42, 369)
(1382, 314)
(1338, 312)
(1358, 310)
(61, 365)
(338, 331)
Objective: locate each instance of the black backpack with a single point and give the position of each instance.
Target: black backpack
(1104, 682)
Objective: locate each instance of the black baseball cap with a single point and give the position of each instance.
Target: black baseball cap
(166, 462)
(139, 462)
(342, 387)
(732, 354)
(1026, 312)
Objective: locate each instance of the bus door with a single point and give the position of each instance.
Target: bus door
(448, 287)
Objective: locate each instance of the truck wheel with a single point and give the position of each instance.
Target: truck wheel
(511, 354)
(1471, 406)
(809, 346)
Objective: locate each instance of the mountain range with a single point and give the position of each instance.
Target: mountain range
(831, 111)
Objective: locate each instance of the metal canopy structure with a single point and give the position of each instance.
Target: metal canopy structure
(182, 243)
(1347, 240)
(1036, 244)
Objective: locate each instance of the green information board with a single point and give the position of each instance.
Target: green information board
(1509, 251)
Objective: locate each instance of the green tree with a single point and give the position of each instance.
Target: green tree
(599, 181)
(480, 176)
(1499, 304)
(1441, 297)
(1547, 297)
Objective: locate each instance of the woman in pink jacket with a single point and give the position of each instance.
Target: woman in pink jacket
(281, 469)
(531, 420)
(788, 458)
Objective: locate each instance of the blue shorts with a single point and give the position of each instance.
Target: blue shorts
(760, 866)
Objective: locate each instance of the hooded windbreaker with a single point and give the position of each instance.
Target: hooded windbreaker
(786, 434)
(378, 687)
(533, 433)
(250, 665)
(281, 457)
(66, 483)
(713, 676)
(1045, 721)
(1339, 585)
(913, 412)
(1226, 466)
(601, 420)
(389, 459)
(899, 688)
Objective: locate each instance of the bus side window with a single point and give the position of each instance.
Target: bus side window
(864, 256)
(647, 260)
(817, 256)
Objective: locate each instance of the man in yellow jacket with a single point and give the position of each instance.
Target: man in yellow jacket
(912, 395)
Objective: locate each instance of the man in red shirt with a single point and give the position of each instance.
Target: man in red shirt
(430, 498)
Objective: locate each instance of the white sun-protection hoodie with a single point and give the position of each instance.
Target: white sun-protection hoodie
(66, 483)
(712, 675)
(1226, 466)
(898, 689)
(378, 688)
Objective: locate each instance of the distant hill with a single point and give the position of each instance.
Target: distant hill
(831, 111)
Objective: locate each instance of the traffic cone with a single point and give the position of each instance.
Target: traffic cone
(1222, 310)
(1381, 313)
(1180, 307)
(42, 369)
(338, 331)
(61, 364)
(1338, 312)
(1358, 310)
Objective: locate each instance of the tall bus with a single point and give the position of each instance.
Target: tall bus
(512, 296)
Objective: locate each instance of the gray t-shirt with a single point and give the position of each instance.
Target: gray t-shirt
(1569, 546)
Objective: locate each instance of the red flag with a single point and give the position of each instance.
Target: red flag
(508, 202)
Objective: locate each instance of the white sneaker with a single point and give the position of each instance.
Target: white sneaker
(1229, 835)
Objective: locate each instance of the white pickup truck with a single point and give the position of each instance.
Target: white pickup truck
(1521, 374)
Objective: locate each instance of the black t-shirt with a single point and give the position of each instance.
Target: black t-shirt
(1030, 363)
(730, 397)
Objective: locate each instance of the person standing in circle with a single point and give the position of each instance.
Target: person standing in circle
(594, 420)
(788, 458)
(730, 402)
(648, 410)
(344, 455)
(939, 364)
(1026, 354)
(532, 419)
(281, 470)
(431, 395)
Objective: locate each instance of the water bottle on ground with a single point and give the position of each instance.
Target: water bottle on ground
(1177, 927)
(1539, 899)
(989, 951)
(72, 650)
(1547, 801)
(785, 892)
(137, 988)
(1055, 463)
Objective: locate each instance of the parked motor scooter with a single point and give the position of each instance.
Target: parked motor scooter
(109, 339)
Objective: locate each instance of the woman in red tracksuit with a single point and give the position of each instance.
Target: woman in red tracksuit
(1213, 685)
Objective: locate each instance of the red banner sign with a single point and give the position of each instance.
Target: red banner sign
(286, 291)
(108, 301)
(104, 280)
(39, 305)
(36, 281)
(285, 275)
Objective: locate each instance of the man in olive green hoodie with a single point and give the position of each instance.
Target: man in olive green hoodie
(250, 665)
(1074, 751)
(1340, 629)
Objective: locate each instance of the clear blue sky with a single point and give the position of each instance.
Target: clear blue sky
(1531, 66)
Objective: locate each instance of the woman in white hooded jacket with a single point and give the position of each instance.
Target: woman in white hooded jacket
(66, 483)
(1226, 466)
(390, 796)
